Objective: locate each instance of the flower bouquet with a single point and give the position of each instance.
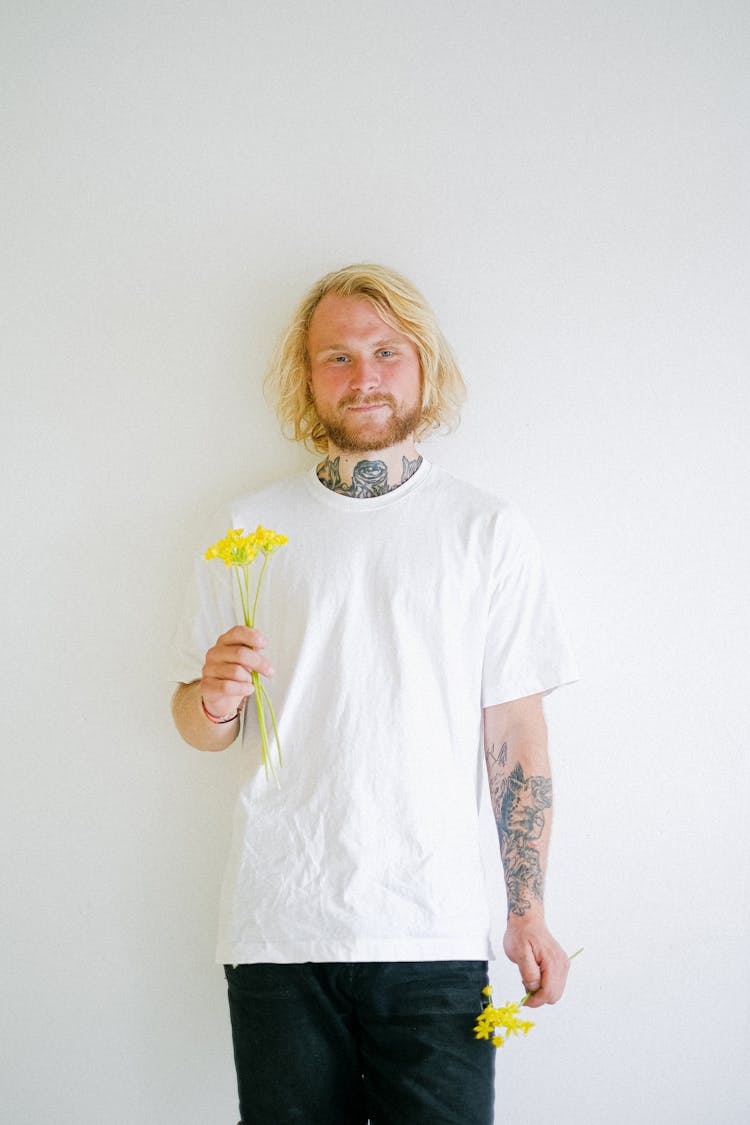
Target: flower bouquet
(239, 551)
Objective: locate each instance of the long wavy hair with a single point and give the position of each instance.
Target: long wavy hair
(402, 306)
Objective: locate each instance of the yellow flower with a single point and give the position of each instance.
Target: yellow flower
(235, 549)
(483, 1028)
(268, 541)
(490, 1020)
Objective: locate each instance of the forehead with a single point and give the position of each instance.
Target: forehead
(339, 318)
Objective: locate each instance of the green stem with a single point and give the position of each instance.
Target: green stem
(242, 595)
(261, 721)
(261, 695)
(273, 720)
(257, 588)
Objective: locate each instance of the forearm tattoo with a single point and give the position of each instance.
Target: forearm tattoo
(369, 478)
(519, 804)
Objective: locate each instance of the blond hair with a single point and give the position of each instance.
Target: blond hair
(402, 306)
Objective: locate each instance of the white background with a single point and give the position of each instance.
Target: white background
(568, 184)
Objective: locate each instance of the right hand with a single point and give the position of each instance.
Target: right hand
(226, 679)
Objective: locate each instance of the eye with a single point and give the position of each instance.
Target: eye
(339, 358)
(386, 352)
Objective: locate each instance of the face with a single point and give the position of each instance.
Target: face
(365, 376)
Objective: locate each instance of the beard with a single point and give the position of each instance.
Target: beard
(351, 436)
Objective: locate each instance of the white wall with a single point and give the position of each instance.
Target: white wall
(568, 184)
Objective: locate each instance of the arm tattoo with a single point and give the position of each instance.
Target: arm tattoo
(369, 478)
(519, 804)
(499, 757)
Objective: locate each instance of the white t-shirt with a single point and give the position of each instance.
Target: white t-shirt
(391, 622)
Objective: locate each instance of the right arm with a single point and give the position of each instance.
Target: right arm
(226, 681)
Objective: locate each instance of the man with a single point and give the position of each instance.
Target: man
(408, 616)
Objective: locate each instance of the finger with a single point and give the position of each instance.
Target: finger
(531, 976)
(243, 635)
(227, 686)
(231, 660)
(252, 659)
(241, 684)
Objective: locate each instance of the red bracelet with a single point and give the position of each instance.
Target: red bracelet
(227, 718)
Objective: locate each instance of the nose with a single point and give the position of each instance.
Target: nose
(364, 375)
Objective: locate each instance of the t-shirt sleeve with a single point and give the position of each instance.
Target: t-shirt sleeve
(208, 611)
(526, 649)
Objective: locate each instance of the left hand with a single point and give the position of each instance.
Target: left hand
(542, 962)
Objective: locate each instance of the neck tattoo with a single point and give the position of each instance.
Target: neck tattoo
(369, 478)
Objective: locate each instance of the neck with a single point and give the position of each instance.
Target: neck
(369, 474)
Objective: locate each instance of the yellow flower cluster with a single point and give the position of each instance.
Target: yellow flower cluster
(498, 1024)
(268, 541)
(238, 549)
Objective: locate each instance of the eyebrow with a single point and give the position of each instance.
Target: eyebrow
(333, 348)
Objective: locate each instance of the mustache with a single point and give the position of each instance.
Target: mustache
(367, 400)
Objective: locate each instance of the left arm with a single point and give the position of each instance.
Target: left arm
(515, 746)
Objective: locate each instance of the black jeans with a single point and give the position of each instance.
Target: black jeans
(341, 1044)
